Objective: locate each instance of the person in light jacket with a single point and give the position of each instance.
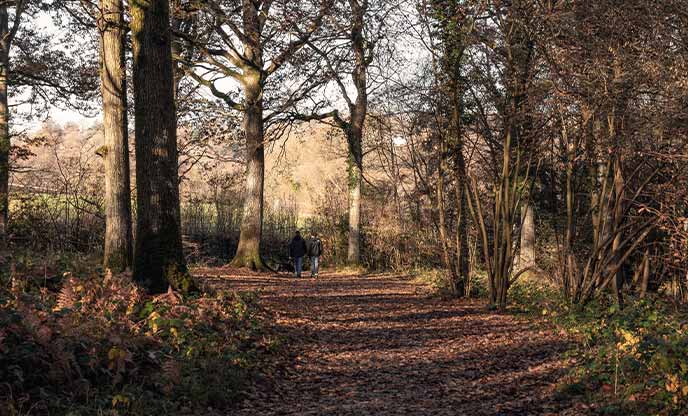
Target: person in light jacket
(315, 250)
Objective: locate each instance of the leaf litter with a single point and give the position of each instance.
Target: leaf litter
(377, 345)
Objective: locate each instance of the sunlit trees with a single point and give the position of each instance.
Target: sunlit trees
(553, 112)
(118, 233)
(351, 45)
(359, 56)
(249, 42)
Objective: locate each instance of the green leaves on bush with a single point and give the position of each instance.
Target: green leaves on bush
(636, 359)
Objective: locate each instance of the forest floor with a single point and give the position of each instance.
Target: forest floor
(383, 345)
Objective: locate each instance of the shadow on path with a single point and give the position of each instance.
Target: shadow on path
(378, 346)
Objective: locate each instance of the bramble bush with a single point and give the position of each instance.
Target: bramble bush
(632, 360)
(637, 357)
(99, 345)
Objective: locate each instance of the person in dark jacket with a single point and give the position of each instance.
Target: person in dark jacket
(315, 250)
(297, 249)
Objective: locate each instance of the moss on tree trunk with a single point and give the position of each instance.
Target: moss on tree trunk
(5, 144)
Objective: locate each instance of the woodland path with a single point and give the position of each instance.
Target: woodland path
(380, 345)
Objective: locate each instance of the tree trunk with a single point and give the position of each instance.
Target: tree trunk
(526, 257)
(441, 211)
(461, 276)
(618, 279)
(118, 246)
(645, 278)
(5, 143)
(572, 281)
(354, 133)
(159, 259)
(396, 177)
(463, 266)
(355, 181)
(248, 251)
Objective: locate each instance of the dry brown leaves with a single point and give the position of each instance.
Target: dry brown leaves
(377, 346)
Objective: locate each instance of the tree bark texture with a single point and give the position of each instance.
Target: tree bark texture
(248, 251)
(442, 214)
(526, 257)
(354, 132)
(159, 259)
(462, 273)
(5, 143)
(118, 233)
(355, 173)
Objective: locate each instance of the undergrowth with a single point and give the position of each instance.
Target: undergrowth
(438, 282)
(94, 343)
(628, 361)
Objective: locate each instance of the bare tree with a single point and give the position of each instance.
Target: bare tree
(357, 29)
(248, 42)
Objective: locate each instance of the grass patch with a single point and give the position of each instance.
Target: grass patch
(348, 270)
(438, 282)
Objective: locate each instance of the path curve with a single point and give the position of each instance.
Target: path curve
(380, 345)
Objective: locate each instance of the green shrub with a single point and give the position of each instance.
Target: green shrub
(638, 355)
(436, 279)
(634, 361)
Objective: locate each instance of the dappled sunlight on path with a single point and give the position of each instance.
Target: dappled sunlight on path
(379, 345)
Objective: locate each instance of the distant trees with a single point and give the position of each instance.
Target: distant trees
(351, 45)
(36, 72)
(159, 258)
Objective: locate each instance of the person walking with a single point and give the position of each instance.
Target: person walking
(297, 249)
(315, 250)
